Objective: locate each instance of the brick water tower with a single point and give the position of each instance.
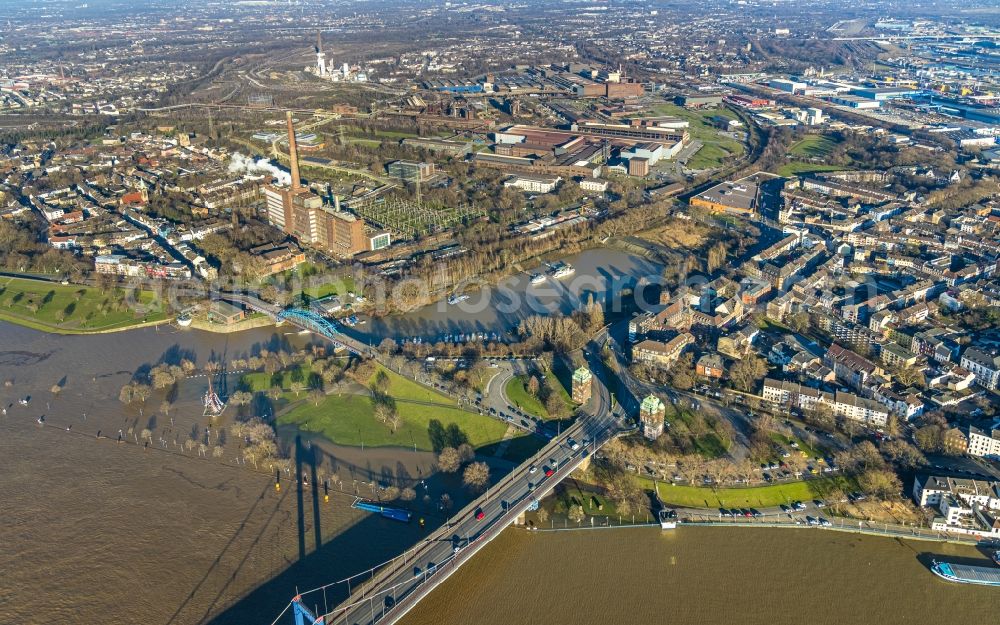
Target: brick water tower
(582, 385)
(651, 414)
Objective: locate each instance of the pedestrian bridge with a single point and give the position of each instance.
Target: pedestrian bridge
(305, 319)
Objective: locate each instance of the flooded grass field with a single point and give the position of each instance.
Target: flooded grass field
(705, 575)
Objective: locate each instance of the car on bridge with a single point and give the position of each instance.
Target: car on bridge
(480, 515)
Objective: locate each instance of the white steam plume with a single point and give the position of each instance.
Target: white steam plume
(241, 163)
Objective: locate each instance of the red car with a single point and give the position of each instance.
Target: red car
(480, 515)
(548, 472)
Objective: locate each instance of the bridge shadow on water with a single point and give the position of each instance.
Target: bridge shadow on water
(367, 543)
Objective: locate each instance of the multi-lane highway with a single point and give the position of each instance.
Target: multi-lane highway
(399, 586)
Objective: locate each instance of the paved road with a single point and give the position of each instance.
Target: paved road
(396, 589)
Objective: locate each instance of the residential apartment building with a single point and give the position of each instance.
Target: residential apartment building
(985, 366)
(850, 367)
(983, 444)
(964, 506)
(594, 185)
(841, 404)
(660, 353)
(533, 184)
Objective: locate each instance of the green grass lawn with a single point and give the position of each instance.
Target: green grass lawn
(716, 147)
(319, 288)
(803, 447)
(73, 308)
(349, 419)
(570, 494)
(708, 445)
(709, 156)
(517, 392)
(294, 383)
(758, 496)
(368, 143)
(766, 323)
(315, 282)
(813, 146)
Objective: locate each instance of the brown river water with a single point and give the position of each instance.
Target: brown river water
(96, 532)
(706, 575)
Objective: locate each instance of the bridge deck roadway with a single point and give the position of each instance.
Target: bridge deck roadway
(394, 590)
(400, 586)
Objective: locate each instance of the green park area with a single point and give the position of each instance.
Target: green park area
(800, 446)
(314, 282)
(716, 147)
(74, 309)
(569, 494)
(520, 395)
(708, 444)
(808, 154)
(756, 496)
(813, 146)
(427, 419)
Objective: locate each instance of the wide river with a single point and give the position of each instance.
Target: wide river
(182, 538)
(706, 575)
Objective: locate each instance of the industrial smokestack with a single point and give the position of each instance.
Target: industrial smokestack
(293, 154)
(336, 203)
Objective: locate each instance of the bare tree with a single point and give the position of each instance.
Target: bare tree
(542, 515)
(466, 453)
(449, 460)
(476, 476)
(241, 398)
(446, 502)
(316, 396)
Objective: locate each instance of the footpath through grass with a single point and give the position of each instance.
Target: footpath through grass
(347, 419)
(73, 308)
(754, 496)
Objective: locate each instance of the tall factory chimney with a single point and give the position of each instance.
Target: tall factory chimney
(320, 57)
(293, 155)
